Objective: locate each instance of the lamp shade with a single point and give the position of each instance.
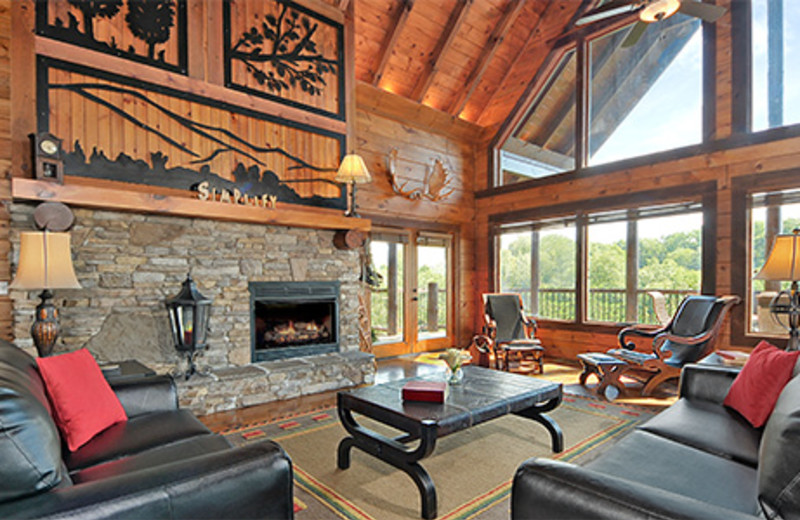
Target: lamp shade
(45, 262)
(353, 169)
(783, 262)
(659, 10)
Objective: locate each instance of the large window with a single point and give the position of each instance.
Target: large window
(544, 142)
(630, 253)
(648, 97)
(771, 213)
(634, 101)
(776, 54)
(538, 261)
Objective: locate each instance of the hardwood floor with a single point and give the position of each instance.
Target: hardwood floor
(564, 371)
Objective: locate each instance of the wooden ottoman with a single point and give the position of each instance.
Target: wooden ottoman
(607, 369)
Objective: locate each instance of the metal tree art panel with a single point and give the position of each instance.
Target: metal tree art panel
(282, 51)
(151, 134)
(147, 31)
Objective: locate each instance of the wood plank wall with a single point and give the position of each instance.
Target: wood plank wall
(719, 166)
(420, 134)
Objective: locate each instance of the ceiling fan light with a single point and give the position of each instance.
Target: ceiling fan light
(658, 10)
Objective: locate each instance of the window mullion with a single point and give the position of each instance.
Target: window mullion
(632, 270)
(582, 270)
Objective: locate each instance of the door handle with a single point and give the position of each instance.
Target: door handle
(414, 299)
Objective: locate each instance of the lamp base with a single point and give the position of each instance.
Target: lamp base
(191, 368)
(792, 312)
(45, 326)
(351, 208)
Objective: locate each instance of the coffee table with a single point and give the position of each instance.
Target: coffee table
(483, 395)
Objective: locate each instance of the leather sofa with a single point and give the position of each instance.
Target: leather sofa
(696, 459)
(161, 463)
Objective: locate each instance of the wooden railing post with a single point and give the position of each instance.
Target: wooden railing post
(391, 291)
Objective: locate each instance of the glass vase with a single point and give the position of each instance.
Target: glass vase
(454, 376)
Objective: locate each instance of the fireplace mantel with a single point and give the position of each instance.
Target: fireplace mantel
(122, 196)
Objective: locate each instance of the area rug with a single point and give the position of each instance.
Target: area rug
(472, 469)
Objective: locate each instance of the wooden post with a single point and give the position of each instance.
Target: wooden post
(632, 272)
(775, 62)
(391, 291)
(534, 300)
(433, 307)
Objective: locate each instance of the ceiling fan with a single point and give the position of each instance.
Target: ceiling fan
(651, 11)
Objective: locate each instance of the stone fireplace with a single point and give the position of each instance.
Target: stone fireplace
(128, 264)
(293, 319)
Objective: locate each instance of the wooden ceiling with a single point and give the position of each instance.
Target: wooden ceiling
(473, 59)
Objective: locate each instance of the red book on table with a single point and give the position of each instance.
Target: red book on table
(428, 391)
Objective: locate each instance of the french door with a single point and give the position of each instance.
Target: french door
(412, 308)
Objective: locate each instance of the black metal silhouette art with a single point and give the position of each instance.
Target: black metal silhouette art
(282, 53)
(151, 21)
(94, 8)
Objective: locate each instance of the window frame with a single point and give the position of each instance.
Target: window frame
(741, 189)
(705, 193)
(579, 43)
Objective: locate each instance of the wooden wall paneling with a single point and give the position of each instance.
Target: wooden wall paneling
(118, 66)
(23, 77)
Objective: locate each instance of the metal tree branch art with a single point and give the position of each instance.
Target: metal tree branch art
(151, 22)
(437, 179)
(285, 45)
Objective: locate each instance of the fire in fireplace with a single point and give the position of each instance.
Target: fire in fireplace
(291, 319)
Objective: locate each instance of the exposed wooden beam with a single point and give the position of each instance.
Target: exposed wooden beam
(499, 33)
(395, 28)
(445, 40)
(343, 5)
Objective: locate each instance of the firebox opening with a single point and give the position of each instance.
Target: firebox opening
(287, 324)
(293, 319)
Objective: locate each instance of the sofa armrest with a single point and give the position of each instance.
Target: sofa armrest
(706, 382)
(550, 489)
(147, 394)
(253, 481)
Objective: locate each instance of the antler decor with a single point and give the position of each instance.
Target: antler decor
(436, 180)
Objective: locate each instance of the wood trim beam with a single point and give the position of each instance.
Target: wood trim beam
(119, 198)
(499, 33)
(457, 18)
(320, 7)
(343, 5)
(123, 67)
(395, 28)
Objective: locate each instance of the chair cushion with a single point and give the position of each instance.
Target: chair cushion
(82, 399)
(708, 427)
(176, 451)
(779, 462)
(30, 447)
(650, 459)
(506, 312)
(694, 317)
(755, 390)
(135, 436)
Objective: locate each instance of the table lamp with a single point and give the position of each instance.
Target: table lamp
(783, 264)
(45, 262)
(352, 171)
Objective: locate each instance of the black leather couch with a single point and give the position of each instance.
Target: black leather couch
(161, 463)
(697, 459)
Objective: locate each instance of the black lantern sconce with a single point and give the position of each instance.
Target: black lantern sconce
(188, 318)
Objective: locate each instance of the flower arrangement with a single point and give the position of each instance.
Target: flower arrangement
(454, 358)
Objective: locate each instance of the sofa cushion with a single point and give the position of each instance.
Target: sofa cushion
(653, 460)
(708, 427)
(157, 456)
(756, 388)
(83, 401)
(779, 469)
(30, 447)
(134, 436)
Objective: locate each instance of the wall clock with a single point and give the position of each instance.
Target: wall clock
(47, 162)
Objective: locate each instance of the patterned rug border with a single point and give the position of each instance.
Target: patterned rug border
(343, 508)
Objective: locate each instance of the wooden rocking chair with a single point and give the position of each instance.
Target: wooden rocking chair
(688, 337)
(508, 332)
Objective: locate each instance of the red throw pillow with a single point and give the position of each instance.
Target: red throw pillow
(83, 402)
(755, 390)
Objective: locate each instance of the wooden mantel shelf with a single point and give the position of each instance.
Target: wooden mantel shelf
(113, 198)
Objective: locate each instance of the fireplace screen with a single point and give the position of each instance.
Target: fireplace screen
(291, 319)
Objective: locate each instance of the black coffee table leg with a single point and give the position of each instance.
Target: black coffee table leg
(394, 452)
(537, 411)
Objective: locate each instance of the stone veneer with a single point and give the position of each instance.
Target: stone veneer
(128, 264)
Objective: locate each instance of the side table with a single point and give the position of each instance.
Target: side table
(607, 369)
(121, 371)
